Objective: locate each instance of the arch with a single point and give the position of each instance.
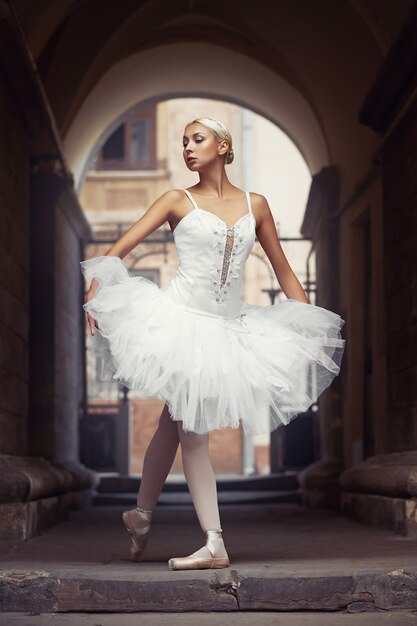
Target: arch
(192, 69)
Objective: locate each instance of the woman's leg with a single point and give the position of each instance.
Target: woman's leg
(158, 461)
(200, 477)
(202, 485)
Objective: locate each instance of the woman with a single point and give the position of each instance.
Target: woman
(214, 360)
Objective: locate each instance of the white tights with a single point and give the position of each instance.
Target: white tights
(197, 466)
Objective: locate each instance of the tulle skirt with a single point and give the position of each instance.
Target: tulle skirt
(260, 369)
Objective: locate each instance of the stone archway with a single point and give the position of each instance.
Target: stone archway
(191, 69)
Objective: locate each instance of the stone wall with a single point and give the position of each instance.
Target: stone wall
(41, 230)
(14, 275)
(399, 165)
(58, 227)
(382, 490)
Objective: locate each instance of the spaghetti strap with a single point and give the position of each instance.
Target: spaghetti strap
(191, 198)
(248, 199)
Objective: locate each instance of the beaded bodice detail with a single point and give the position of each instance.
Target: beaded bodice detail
(230, 237)
(212, 255)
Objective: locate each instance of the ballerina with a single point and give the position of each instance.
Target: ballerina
(213, 359)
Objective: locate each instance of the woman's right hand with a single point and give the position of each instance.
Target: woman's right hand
(92, 323)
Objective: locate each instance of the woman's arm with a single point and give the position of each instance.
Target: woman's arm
(153, 218)
(158, 213)
(268, 238)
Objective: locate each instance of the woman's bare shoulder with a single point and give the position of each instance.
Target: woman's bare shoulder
(173, 194)
(170, 201)
(258, 201)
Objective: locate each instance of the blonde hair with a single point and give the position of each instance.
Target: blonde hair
(220, 132)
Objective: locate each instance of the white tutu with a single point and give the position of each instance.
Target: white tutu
(212, 371)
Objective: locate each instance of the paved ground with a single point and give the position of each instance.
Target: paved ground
(213, 619)
(283, 558)
(286, 539)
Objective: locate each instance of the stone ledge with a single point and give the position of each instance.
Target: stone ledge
(23, 520)
(36, 494)
(373, 591)
(24, 478)
(393, 475)
(395, 514)
(23, 590)
(382, 492)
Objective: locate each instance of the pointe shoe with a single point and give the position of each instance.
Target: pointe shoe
(211, 556)
(137, 523)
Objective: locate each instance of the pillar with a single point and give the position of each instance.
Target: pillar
(320, 480)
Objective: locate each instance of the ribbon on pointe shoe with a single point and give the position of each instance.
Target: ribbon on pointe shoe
(138, 534)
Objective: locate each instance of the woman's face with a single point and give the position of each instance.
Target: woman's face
(200, 147)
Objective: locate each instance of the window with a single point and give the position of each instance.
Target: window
(132, 146)
(114, 148)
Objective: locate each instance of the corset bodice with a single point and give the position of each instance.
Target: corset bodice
(211, 260)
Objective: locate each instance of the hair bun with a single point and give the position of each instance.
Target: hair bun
(230, 155)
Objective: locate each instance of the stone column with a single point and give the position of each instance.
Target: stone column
(57, 229)
(320, 481)
(40, 318)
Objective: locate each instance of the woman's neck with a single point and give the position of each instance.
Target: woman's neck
(214, 184)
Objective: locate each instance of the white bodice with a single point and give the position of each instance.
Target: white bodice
(212, 257)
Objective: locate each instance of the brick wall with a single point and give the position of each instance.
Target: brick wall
(225, 446)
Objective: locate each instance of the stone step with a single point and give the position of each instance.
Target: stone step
(211, 590)
(285, 481)
(283, 558)
(184, 498)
